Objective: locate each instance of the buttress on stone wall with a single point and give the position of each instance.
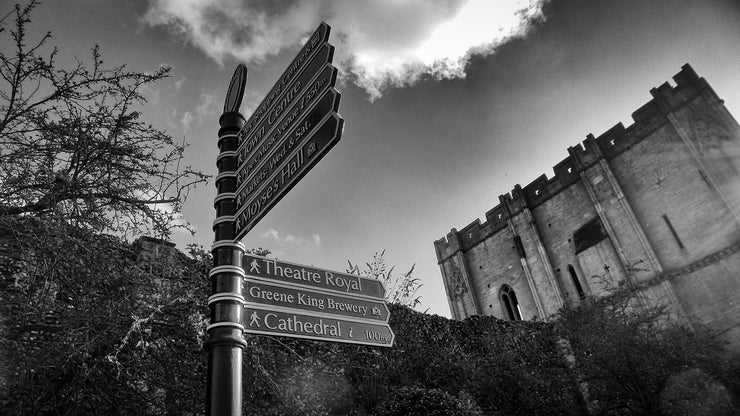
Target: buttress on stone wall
(655, 206)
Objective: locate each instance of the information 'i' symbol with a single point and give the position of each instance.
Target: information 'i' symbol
(311, 149)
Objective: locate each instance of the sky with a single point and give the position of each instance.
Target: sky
(447, 104)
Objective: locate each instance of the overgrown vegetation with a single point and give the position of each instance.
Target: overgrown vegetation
(624, 353)
(88, 329)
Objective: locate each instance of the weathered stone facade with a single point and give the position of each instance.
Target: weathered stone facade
(655, 205)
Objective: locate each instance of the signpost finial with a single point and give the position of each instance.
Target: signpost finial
(235, 93)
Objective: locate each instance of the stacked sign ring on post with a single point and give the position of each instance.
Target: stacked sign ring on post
(226, 332)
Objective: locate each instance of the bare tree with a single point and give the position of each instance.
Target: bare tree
(73, 144)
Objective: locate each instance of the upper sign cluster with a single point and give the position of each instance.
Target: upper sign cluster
(289, 132)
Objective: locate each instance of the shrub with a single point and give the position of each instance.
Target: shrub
(414, 401)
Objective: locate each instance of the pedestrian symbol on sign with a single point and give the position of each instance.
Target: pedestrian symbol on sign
(254, 267)
(254, 319)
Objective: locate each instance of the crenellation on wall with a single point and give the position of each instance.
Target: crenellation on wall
(513, 201)
(537, 190)
(497, 217)
(581, 157)
(613, 141)
(447, 246)
(688, 78)
(566, 172)
(473, 234)
(647, 112)
(688, 86)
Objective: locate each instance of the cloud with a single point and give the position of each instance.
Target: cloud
(379, 44)
(207, 108)
(205, 111)
(273, 236)
(251, 31)
(178, 84)
(186, 121)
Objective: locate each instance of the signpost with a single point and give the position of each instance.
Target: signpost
(260, 160)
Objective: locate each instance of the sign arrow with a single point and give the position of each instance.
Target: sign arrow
(311, 277)
(320, 35)
(257, 320)
(281, 143)
(303, 300)
(301, 161)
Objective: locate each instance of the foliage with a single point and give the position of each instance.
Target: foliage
(410, 401)
(401, 289)
(694, 393)
(89, 329)
(73, 144)
(466, 360)
(624, 353)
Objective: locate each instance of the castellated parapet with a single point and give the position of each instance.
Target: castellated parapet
(637, 204)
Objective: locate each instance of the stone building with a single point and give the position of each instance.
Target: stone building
(655, 205)
(153, 249)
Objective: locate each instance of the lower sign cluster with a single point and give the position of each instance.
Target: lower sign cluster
(293, 300)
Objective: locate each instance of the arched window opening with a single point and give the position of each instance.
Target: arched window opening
(576, 282)
(511, 305)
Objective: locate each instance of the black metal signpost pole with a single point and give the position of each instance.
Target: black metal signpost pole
(259, 161)
(226, 341)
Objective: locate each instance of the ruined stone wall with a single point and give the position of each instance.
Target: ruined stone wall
(640, 206)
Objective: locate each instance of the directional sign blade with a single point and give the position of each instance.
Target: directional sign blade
(320, 35)
(295, 100)
(311, 277)
(312, 301)
(297, 325)
(270, 156)
(293, 169)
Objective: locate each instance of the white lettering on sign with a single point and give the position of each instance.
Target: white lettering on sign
(308, 300)
(298, 273)
(342, 282)
(258, 293)
(267, 194)
(295, 325)
(345, 283)
(281, 106)
(284, 80)
(291, 168)
(346, 307)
